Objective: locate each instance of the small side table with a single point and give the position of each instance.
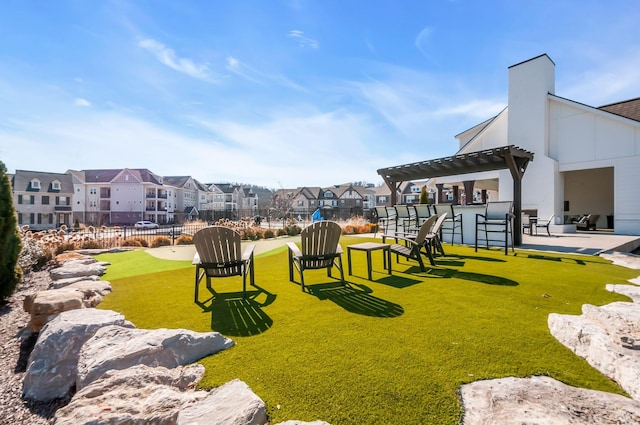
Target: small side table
(533, 221)
(368, 247)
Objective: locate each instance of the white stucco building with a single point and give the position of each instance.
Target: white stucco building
(586, 159)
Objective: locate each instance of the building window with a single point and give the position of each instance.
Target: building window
(55, 185)
(300, 203)
(341, 201)
(45, 200)
(357, 202)
(35, 184)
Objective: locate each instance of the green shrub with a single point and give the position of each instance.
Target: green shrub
(10, 241)
(282, 232)
(160, 241)
(293, 230)
(268, 234)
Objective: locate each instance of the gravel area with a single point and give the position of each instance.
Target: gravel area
(16, 342)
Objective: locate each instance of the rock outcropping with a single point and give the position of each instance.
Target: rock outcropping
(53, 363)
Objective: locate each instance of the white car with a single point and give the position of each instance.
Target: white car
(146, 225)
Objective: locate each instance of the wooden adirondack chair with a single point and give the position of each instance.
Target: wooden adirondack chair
(218, 254)
(413, 248)
(320, 249)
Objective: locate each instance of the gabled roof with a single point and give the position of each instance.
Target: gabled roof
(21, 181)
(226, 187)
(108, 175)
(176, 181)
(628, 108)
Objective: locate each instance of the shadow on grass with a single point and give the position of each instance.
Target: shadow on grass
(473, 257)
(355, 298)
(232, 315)
(556, 259)
(445, 273)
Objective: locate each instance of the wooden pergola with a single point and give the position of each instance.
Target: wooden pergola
(510, 157)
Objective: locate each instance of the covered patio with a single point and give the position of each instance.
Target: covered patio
(509, 157)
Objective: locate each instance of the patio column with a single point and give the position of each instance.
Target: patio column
(440, 187)
(456, 193)
(468, 190)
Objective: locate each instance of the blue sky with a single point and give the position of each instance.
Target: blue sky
(285, 93)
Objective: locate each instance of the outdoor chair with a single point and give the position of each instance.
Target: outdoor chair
(422, 213)
(526, 223)
(587, 222)
(218, 254)
(498, 218)
(453, 221)
(425, 242)
(382, 216)
(544, 224)
(319, 249)
(403, 219)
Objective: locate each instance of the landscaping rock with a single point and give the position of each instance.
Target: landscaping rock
(624, 259)
(542, 400)
(61, 283)
(43, 306)
(77, 268)
(607, 337)
(137, 395)
(630, 291)
(230, 404)
(52, 365)
(115, 347)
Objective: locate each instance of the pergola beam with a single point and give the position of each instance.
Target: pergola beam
(509, 157)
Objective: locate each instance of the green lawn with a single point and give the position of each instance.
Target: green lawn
(394, 350)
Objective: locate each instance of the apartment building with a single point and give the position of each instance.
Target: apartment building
(42, 200)
(122, 197)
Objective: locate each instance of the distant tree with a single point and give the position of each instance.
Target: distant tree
(10, 242)
(424, 198)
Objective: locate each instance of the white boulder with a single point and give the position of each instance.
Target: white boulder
(230, 404)
(607, 337)
(137, 395)
(52, 365)
(541, 400)
(115, 347)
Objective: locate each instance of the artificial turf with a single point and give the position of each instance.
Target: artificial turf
(394, 350)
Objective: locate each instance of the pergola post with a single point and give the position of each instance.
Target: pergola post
(440, 188)
(468, 191)
(511, 157)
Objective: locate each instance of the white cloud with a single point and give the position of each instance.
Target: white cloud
(480, 109)
(611, 81)
(302, 40)
(236, 67)
(315, 150)
(82, 102)
(169, 58)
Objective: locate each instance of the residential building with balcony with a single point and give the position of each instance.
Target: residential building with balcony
(121, 197)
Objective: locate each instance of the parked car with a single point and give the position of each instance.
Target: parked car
(146, 225)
